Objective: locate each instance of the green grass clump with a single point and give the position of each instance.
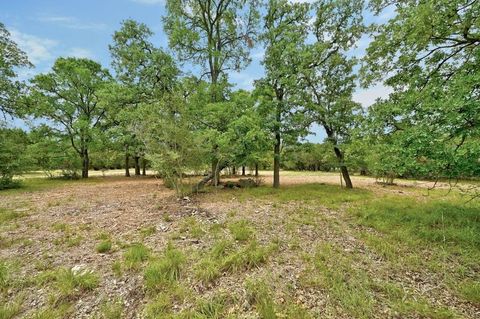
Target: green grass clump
(165, 270)
(135, 255)
(213, 308)
(160, 307)
(250, 256)
(11, 309)
(259, 295)
(60, 311)
(104, 246)
(7, 215)
(191, 226)
(470, 290)
(68, 281)
(148, 231)
(111, 310)
(241, 230)
(4, 276)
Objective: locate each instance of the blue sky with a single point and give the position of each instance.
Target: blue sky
(49, 29)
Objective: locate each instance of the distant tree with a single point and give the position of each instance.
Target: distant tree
(11, 58)
(286, 26)
(68, 96)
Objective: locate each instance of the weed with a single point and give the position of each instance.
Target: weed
(117, 268)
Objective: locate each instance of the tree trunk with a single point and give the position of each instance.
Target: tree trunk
(214, 173)
(85, 163)
(205, 180)
(243, 170)
(234, 170)
(144, 166)
(127, 165)
(276, 161)
(137, 165)
(256, 169)
(343, 168)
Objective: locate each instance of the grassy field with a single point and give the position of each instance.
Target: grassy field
(113, 247)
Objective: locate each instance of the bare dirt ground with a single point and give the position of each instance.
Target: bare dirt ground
(60, 227)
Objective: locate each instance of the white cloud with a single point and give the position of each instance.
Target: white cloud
(81, 53)
(72, 22)
(149, 2)
(367, 97)
(38, 49)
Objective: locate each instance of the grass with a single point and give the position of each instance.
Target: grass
(191, 226)
(148, 231)
(328, 195)
(135, 255)
(111, 310)
(104, 246)
(363, 253)
(165, 270)
(10, 309)
(7, 215)
(448, 231)
(69, 282)
(258, 294)
(241, 230)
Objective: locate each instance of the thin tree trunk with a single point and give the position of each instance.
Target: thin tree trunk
(127, 165)
(243, 170)
(276, 161)
(85, 163)
(234, 170)
(343, 168)
(256, 169)
(215, 175)
(137, 165)
(144, 166)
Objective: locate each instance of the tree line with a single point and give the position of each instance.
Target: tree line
(147, 109)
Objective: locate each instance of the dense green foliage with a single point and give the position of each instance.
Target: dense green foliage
(150, 114)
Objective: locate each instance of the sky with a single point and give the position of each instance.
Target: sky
(48, 29)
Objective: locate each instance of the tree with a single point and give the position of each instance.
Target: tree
(286, 27)
(68, 96)
(144, 73)
(11, 58)
(327, 73)
(216, 35)
(430, 52)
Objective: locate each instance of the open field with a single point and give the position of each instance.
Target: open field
(118, 247)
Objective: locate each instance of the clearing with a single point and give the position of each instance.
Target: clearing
(115, 247)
